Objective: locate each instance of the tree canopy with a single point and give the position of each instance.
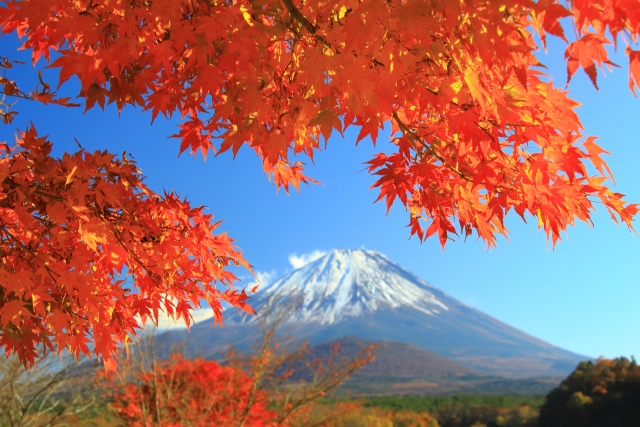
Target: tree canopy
(478, 130)
(600, 393)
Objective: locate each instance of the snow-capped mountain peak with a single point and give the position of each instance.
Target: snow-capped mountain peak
(364, 294)
(346, 283)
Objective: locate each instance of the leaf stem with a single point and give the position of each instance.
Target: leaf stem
(295, 13)
(405, 129)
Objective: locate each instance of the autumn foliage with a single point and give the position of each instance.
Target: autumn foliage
(292, 374)
(196, 393)
(88, 252)
(601, 393)
(274, 385)
(478, 130)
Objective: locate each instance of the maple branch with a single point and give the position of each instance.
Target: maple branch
(152, 274)
(19, 94)
(405, 129)
(434, 153)
(295, 13)
(50, 272)
(486, 132)
(11, 183)
(15, 239)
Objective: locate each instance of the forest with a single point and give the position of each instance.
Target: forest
(265, 389)
(478, 132)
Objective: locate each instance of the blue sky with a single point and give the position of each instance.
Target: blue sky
(582, 296)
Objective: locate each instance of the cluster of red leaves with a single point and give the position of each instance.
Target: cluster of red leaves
(180, 391)
(10, 90)
(599, 23)
(479, 131)
(198, 393)
(88, 252)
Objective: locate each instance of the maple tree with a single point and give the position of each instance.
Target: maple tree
(273, 385)
(478, 130)
(75, 229)
(192, 392)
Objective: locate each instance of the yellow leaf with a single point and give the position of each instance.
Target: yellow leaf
(70, 176)
(93, 234)
(342, 12)
(246, 15)
(82, 211)
(539, 219)
(476, 89)
(456, 86)
(126, 345)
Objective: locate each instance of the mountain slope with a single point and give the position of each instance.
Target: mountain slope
(365, 294)
(401, 368)
(393, 360)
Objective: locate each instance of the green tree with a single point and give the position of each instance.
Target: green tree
(604, 393)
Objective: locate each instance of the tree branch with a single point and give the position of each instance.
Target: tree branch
(11, 183)
(295, 13)
(434, 153)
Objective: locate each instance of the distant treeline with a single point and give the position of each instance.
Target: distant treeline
(445, 411)
(436, 403)
(605, 393)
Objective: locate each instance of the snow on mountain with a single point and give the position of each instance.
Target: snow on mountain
(346, 283)
(364, 294)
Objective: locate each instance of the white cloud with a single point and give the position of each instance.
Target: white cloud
(263, 279)
(205, 313)
(165, 322)
(298, 261)
(199, 315)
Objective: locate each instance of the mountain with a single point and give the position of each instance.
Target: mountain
(364, 294)
(405, 369)
(394, 360)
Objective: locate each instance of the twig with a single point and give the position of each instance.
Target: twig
(434, 153)
(295, 13)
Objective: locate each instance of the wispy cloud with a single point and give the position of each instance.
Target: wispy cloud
(298, 261)
(262, 279)
(199, 315)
